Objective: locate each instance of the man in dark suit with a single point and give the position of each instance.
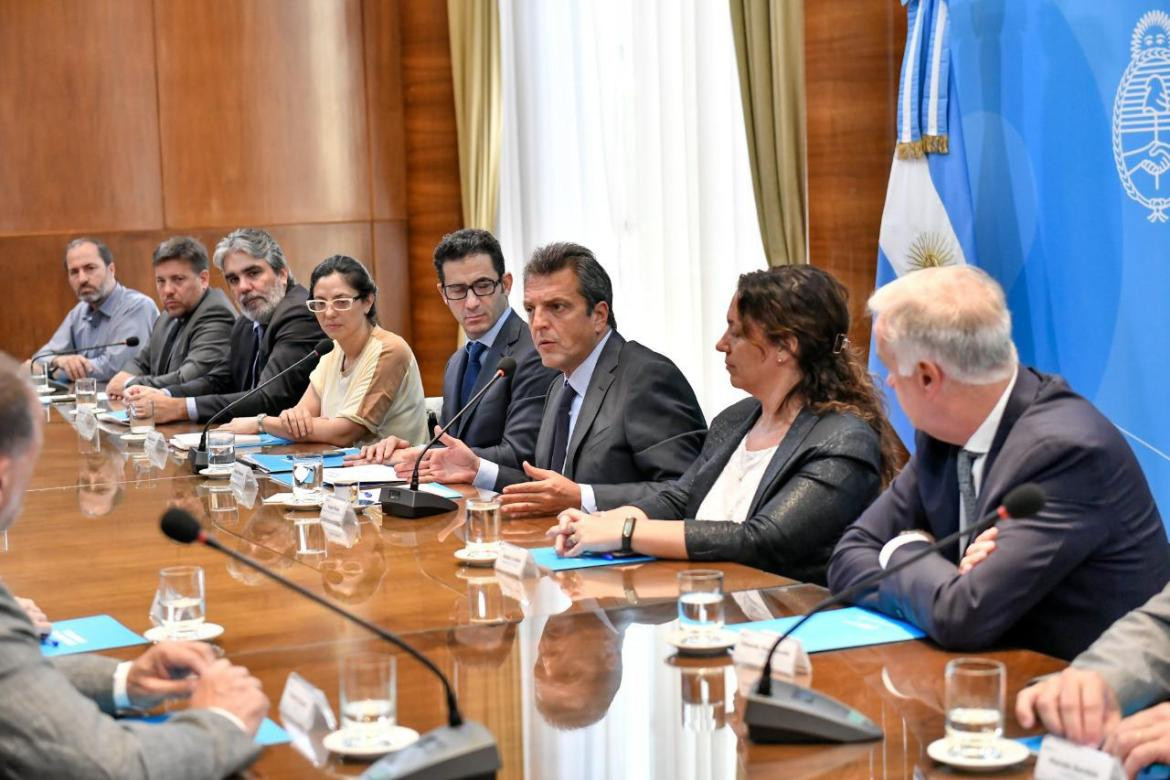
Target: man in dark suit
(56, 717)
(619, 412)
(277, 330)
(190, 339)
(986, 424)
(502, 426)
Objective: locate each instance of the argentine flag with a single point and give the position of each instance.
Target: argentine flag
(928, 218)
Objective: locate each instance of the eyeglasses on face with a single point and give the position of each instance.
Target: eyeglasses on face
(481, 287)
(318, 305)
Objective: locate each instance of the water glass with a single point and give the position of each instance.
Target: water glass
(704, 698)
(308, 473)
(483, 527)
(368, 704)
(140, 415)
(85, 393)
(181, 596)
(975, 692)
(700, 604)
(40, 375)
(221, 450)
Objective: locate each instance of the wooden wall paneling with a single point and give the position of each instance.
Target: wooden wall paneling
(853, 53)
(432, 177)
(391, 264)
(263, 114)
(78, 117)
(382, 38)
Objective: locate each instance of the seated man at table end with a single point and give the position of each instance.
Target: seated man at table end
(986, 425)
(56, 717)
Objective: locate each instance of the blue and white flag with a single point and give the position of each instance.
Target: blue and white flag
(928, 218)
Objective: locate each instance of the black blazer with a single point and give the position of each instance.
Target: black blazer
(200, 348)
(1055, 581)
(824, 473)
(291, 334)
(502, 427)
(639, 423)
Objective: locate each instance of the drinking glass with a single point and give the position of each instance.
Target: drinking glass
(368, 704)
(483, 527)
(40, 375)
(700, 604)
(140, 415)
(181, 596)
(221, 450)
(85, 393)
(975, 692)
(307, 477)
(704, 698)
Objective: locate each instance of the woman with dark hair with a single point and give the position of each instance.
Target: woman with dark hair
(368, 387)
(783, 473)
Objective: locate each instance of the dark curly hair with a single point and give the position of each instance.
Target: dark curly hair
(809, 305)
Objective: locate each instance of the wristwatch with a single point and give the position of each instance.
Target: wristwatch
(260, 422)
(628, 534)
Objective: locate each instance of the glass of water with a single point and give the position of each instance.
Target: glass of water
(140, 415)
(700, 604)
(221, 450)
(307, 477)
(975, 692)
(368, 704)
(85, 392)
(181, 596)
(483, 527)
(40, 375)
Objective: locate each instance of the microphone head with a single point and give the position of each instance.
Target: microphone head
(132, 341)
(506, 366)
(179, 525)
(324, 347)
(1024, 500)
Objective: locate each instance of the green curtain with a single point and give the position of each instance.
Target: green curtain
(474, 27)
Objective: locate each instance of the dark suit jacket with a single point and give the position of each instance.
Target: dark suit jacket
(639, 423)
(200, 348)
(502, 427)
(824, 473)
(1055, 581)
(291, 334)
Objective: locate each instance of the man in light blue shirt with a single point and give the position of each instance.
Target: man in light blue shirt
(106, 312)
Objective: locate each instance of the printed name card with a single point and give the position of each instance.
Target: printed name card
(302, 704)
(1063, 760)
(752, 649)
(155, 447)
(243, 484)
(86, 424)
(514, 561)
(339, 522)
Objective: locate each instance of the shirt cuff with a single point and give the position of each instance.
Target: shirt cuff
(121, 698)
(486, 475)
(898, 541)
(231, 716)
(588, 502)
(192, 409)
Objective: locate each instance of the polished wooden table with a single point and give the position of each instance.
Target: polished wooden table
(571, 672)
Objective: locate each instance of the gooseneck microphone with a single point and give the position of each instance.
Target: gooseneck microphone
(797, 714)
(461, 749)
(131, 341)
(413, 502)
(197, 457)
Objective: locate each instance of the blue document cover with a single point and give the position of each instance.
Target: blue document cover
(269, 733)
(282, 464)
(840, 629)
(88, 635)
(547, 558)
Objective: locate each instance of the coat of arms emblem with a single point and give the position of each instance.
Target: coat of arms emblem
(1141, 117)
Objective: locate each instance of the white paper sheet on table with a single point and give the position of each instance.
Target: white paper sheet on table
(368, 472)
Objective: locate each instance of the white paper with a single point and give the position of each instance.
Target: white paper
(1063, 760)
(751, 649)
(514, 561)
(367, 472)
(185, 441)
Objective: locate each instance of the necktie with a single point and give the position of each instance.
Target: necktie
(967, 491)
(560, 443)
(475, 350)
(164, 356)
(257, 339)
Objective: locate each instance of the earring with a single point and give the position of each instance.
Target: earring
(779, 358)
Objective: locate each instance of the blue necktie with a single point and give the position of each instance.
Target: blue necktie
(258, 339)
(560, 443)
(475, 350)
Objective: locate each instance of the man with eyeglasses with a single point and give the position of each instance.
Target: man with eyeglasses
(502, 427)
(277, 330)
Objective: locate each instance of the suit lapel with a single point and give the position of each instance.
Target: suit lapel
(603, 376)
(719, 459)
(1023, 394)
(451, 385)
(799, 430)
(542, 455)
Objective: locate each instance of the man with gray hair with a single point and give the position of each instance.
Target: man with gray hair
(277, 330)
(1052, 582)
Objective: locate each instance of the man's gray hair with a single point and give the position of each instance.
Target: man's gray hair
(253, 242)
(17, 426)
(954, 316)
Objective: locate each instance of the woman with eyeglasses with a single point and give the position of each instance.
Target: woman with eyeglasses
(368, 387)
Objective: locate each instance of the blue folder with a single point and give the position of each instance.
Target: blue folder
(547, 558)
(839, 629)
(88, 635)
(269, 733)
(280, 464)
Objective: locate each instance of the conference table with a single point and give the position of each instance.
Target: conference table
(571, 671)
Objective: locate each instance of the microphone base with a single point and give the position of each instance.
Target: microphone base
(404, 502)
(446, 753)
(196, 459)
(793, 714)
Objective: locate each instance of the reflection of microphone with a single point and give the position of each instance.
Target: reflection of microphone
(413, 502)
(197, 456)
(797, 714)
(460, 749)
(132, 341)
